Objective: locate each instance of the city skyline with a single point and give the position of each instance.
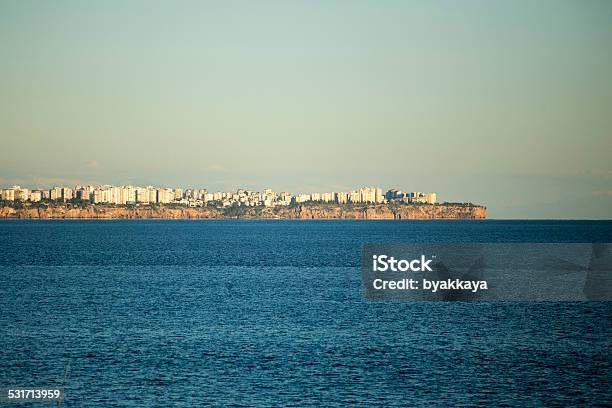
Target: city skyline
(199, 197)
(505, 104)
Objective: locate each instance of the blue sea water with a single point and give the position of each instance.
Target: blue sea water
(269, 313)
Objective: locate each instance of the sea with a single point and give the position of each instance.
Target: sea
(144, 313)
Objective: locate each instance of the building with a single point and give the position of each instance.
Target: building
(354, 196)
(8, 194)
(67, 194)
(102, 195)
(35, 196)
(165, 195)
(378, 195)
(392, 194)
(126, 195)
(82, 193)
(302, 198)
(327, 197)
(55, 193)
(143, 195)
(418, 197)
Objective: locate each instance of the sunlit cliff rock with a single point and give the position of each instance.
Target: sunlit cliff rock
(304, 211)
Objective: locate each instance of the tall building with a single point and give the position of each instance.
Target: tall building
(142, 195)
(35, 196)
(8, 194)
(302, 198)
(165, 195)
(327, 197)
(97, 196)
(284, 198)
(378, 195)
(56, 193)
(128, 194)
(66, 194)
(103, 194)
(82, 193)
(418, 197)
(152, 194)
(354, 196)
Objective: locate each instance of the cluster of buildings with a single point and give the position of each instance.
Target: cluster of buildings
(130, 195)
(411, 197)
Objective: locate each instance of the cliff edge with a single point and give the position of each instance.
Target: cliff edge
(302, 211)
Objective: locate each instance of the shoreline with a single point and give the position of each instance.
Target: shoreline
(296, 212)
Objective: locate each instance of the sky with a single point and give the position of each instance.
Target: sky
(505, 104)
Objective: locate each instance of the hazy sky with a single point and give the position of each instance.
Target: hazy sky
(508, 104)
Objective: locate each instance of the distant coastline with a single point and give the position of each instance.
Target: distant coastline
(385, 211)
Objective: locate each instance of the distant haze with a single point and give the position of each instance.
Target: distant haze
(506, 104)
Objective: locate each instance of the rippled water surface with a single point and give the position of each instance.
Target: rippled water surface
(269, 313)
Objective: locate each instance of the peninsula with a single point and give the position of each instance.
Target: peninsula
(130, 202)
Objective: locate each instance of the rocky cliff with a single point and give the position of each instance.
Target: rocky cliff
(306, 211)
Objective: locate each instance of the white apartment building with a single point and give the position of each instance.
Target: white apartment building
(302, 198)
(145, 195)
(102, 195)
(354, 196)
(418, 197)
(67, 194)
(56, 193)
(284, 198)
(165, 195)
(367, 195)
(8, 194)
(82, 193)
(128, 194)
(379, 197)
(15, 193)
(35, 196)
(327, 197)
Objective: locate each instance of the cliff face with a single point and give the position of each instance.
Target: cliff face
(101, 212)
(369, 212)
(404, 212)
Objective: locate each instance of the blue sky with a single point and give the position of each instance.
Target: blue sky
(508, 104)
